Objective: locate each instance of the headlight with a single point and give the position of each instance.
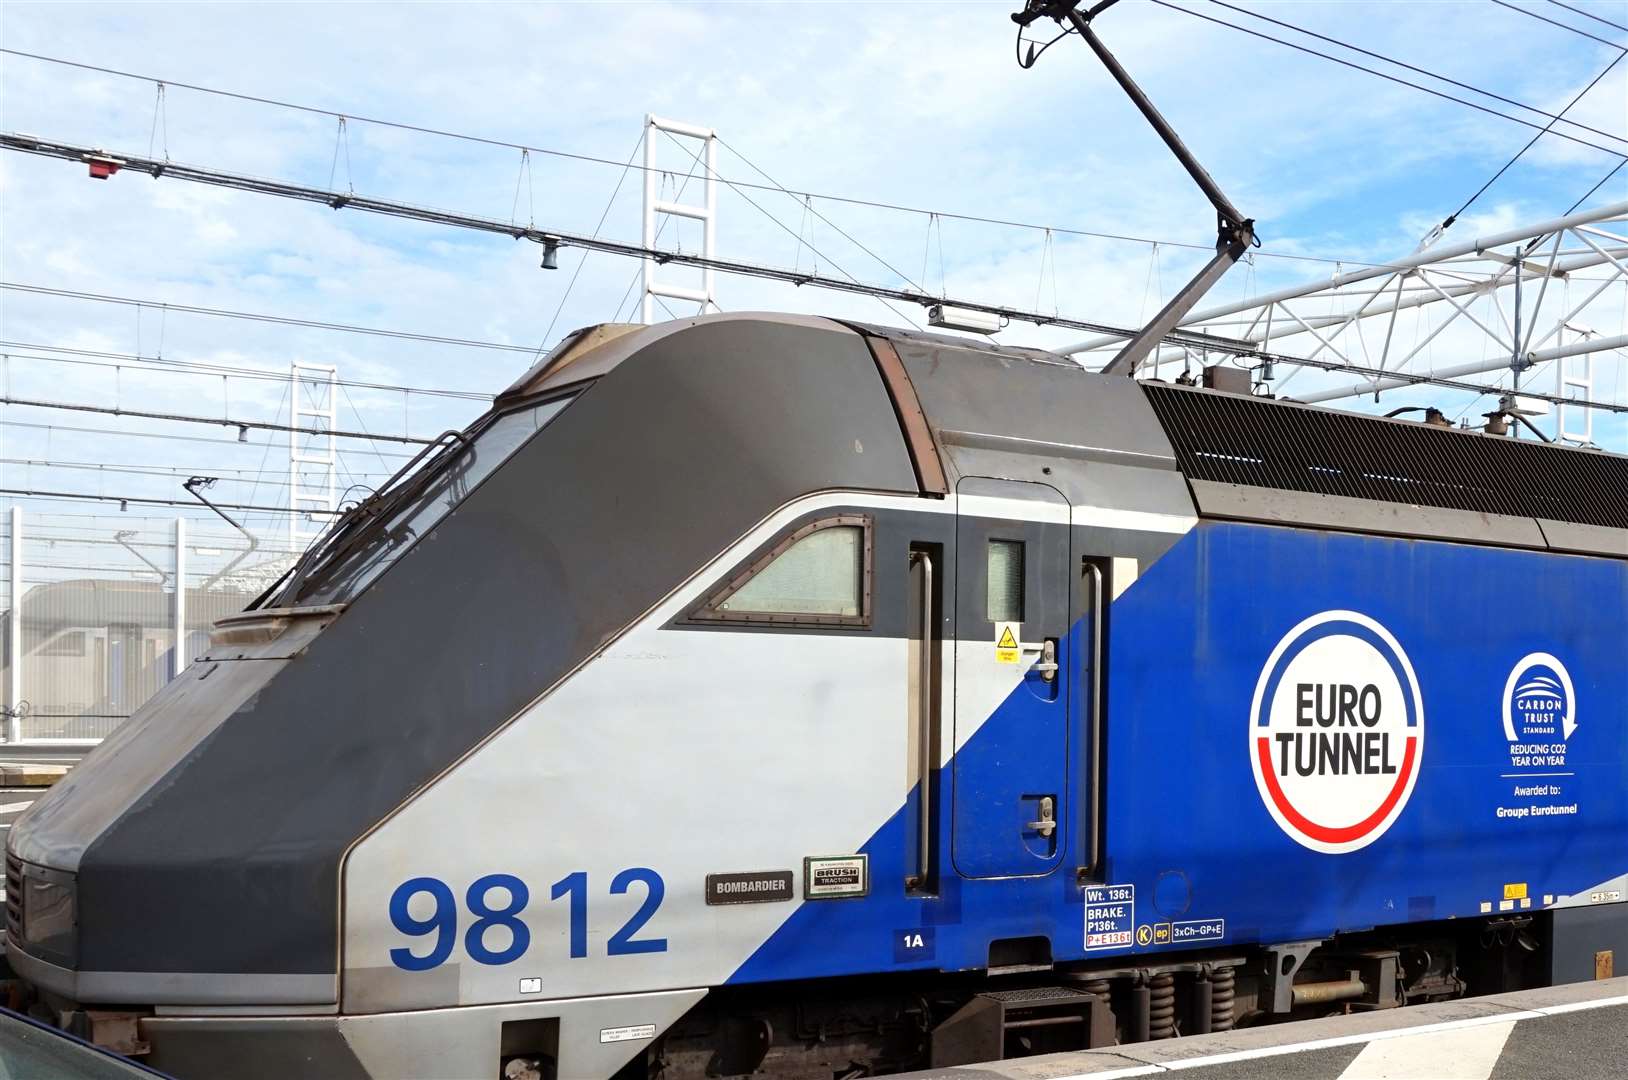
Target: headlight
(47, 911)
(50, 923)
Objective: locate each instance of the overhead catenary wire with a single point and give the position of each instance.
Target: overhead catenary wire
(1428, 379)
(1602, 182)
(56, 538)
(168, 366)
(839, 229)
(217, 421)
(1561, 116)
(1553, 22)
(161, 472)
(1356, 263)
(53, 526)
(281, 320)
(592, 159)
(661, 227)
(1482, 190)
(143, 500)
(1388, 77)
(288, 390)
(361, 424)
(31, 144)
(283, 189)
(166, 436)
(760, 208)
(259, 571)
(548, 334)
(1590, 15)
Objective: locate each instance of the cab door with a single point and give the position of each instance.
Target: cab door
(1012, 740)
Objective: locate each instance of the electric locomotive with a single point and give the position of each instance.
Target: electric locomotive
(769, 695)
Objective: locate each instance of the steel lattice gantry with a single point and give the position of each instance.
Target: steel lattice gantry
(1517, 299)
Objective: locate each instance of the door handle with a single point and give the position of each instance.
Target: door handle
(1048, 817)
(1047, 664)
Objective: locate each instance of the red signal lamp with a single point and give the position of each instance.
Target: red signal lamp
(102, 167)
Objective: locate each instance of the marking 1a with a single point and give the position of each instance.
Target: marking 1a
(912, 944)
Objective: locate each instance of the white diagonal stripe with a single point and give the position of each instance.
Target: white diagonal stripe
(1228, 1057)
(1463, 1054)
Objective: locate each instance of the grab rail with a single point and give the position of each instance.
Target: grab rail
(924, 700)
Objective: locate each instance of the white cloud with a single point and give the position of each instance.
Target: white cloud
(906, 103)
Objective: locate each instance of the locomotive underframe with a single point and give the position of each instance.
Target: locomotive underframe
(881, 1024)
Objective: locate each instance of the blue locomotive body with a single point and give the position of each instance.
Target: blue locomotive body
(1194, 856)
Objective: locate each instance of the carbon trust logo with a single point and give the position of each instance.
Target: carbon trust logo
(1336, 732)
(1540, 711)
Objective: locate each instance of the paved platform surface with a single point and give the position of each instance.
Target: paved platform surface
(1577, 1032)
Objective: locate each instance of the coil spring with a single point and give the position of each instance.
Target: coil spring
(1162, 1006)
(1223, 992)
(1098, 987)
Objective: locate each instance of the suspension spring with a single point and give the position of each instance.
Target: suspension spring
(1162, 1006)
(1223, 992)
(1098, 987)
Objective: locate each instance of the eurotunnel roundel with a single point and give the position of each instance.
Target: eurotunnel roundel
(1336, 732)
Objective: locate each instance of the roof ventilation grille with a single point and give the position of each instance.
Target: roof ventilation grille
(1239, 440)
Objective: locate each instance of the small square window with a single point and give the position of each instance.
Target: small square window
(1005, 581)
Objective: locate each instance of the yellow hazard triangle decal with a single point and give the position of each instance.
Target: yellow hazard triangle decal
(1007, 649)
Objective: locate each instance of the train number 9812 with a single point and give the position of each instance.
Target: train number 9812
(497, 900)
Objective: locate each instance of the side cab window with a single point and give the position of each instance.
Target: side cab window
(819, 574)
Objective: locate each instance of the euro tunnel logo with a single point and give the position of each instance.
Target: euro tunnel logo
(1336, 732)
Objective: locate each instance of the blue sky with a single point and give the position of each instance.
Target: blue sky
(917, 104)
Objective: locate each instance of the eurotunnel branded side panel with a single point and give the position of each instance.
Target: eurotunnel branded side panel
(1314, 731)
(746, 754)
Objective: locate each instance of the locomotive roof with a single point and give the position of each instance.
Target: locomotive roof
(998, 410)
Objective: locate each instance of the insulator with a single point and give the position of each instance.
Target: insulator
(1162, 1006)
(1223, 992)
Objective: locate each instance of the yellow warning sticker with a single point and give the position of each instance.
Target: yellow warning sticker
(1007, 649)
(1515, 891)
(1144, 934)
(1161, 934)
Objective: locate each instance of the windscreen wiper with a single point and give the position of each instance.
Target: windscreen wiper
(1235, 234)
(356, 525)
